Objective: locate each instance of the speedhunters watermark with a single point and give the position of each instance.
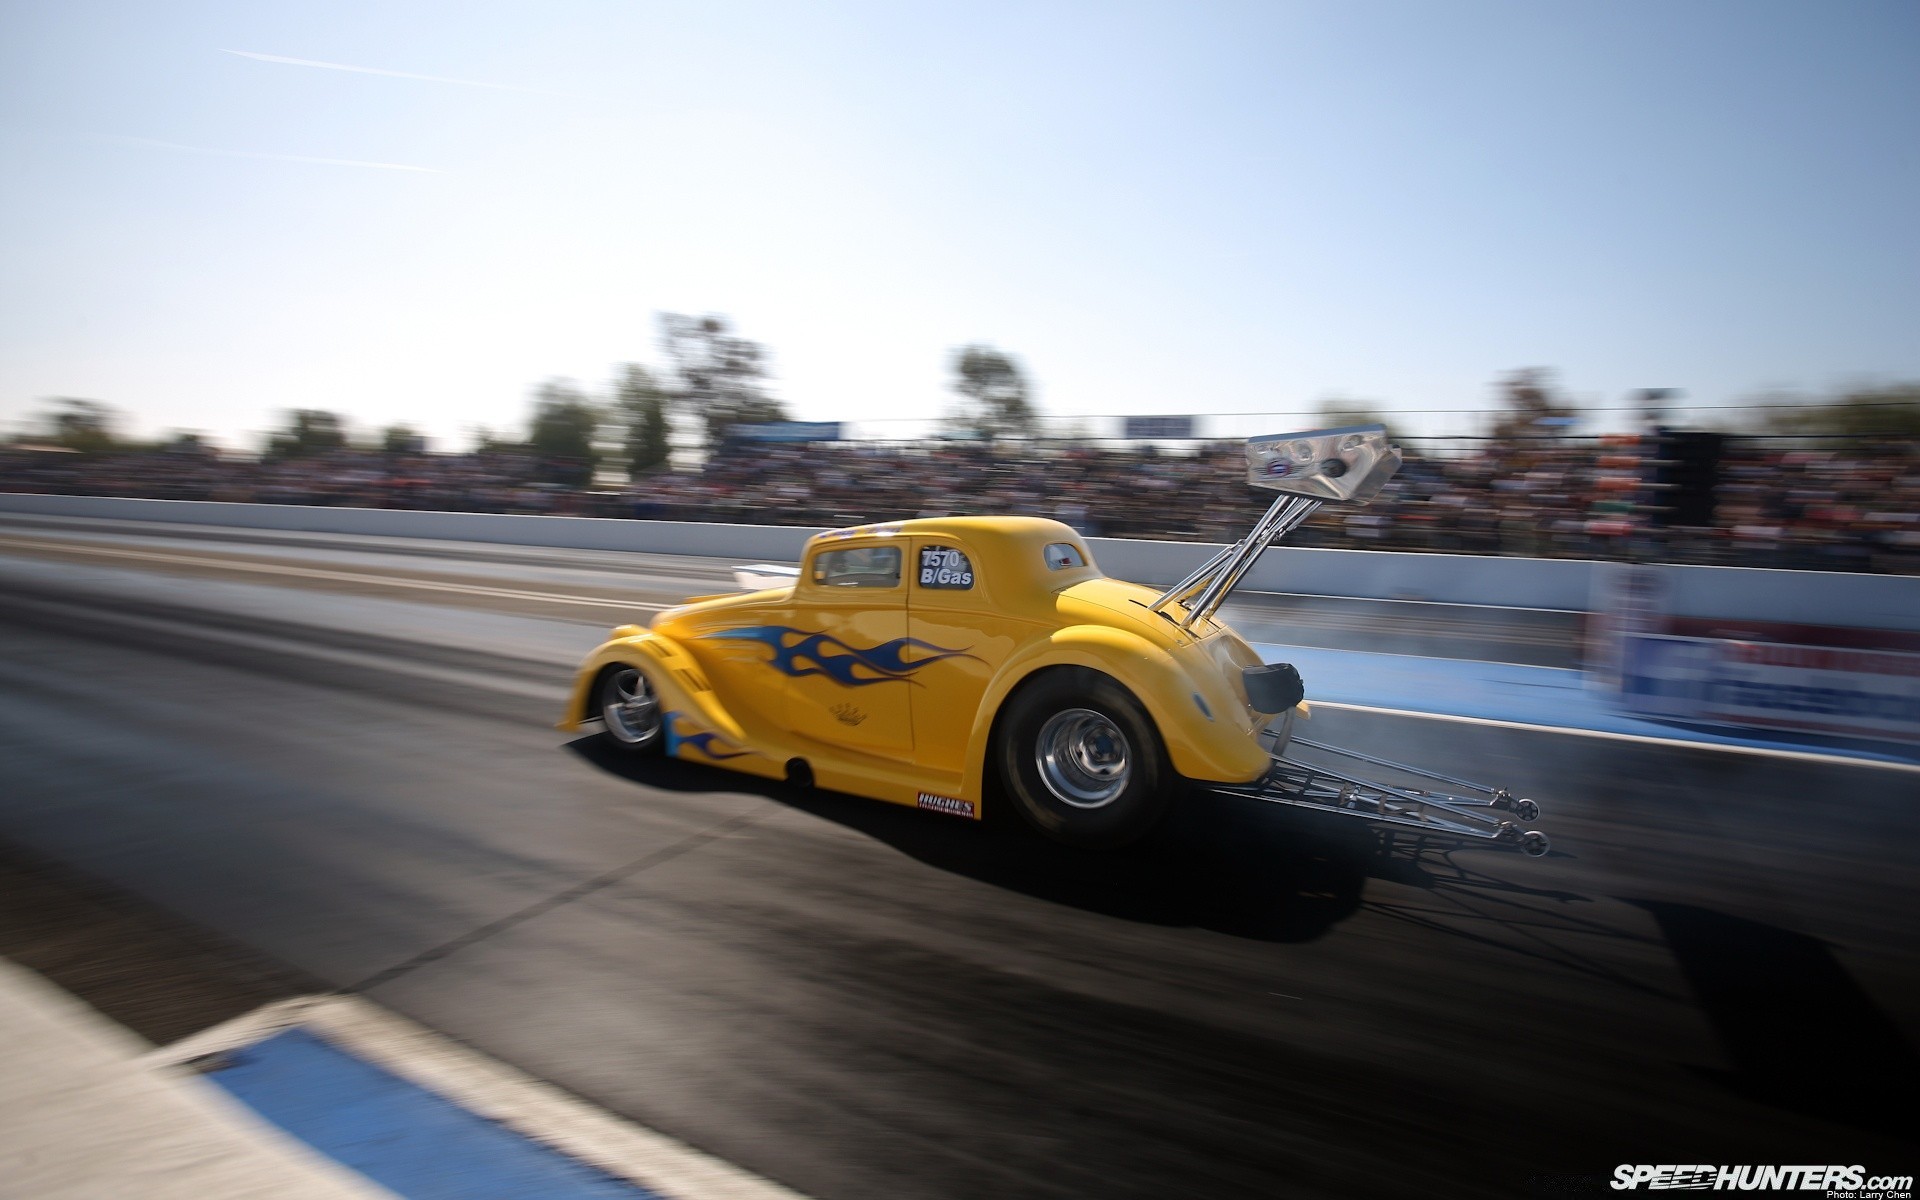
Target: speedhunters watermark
(1839, 1182)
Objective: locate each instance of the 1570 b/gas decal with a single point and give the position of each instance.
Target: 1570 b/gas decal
(944, 567)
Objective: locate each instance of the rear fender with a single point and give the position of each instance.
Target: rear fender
(1199, 747)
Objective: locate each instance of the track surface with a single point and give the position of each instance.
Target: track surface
(357, 776)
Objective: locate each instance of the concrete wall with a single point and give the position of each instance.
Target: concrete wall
(1731, 593)
(1725, 593)
(1799, 597)
(1372, 574)
(775, 542)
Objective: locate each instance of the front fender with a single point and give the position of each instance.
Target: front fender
(627, 644)
(1200, 746)
(697, 726)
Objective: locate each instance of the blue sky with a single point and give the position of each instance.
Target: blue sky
(1159, 208)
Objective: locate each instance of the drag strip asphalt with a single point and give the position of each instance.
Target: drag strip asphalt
(473, 573)
(361, 781)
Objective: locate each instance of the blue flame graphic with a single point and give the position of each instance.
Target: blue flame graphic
(703, 742)
(824, 654)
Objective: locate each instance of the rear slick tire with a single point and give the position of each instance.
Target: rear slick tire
(1082, 762)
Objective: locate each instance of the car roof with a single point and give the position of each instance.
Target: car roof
(1020, 529)
(1004, 544)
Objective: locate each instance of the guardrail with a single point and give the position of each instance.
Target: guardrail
(1726, 593)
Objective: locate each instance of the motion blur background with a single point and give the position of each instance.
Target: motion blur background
(469, 257)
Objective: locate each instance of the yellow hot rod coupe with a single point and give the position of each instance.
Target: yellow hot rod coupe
(949, 661)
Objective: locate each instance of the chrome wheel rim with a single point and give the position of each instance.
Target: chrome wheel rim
(630, 709)
(1083, 757)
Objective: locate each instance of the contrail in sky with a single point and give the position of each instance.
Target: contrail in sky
(299, 158)
(327, 66)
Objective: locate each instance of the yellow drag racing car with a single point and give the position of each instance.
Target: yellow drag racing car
(946, 661)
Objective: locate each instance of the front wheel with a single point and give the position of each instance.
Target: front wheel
(629, 708)
(1082, 761)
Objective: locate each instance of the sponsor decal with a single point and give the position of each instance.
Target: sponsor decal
(946, 804)
(798, 653)
(847, 714)
(1842, 1182)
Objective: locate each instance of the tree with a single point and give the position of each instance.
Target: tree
(83, 425)
(308, 431)
(642, 403)
(718, 374)
(402, 439)
(485, 441)
(1336, 411)
(562, 433)
(188, 442)
(1890, 412)
(994, 395)
(1531, 407)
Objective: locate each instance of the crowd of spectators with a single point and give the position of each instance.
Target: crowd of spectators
(1775, 504)
(498, 481)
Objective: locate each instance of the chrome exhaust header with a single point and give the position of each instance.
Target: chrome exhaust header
(1350, 464)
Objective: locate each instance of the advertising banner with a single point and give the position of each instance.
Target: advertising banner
(1157, 428)
(1807, 689)
(788, 431)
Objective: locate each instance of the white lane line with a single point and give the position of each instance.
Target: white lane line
(1812, 756)
(425, 585)
(489, 1089)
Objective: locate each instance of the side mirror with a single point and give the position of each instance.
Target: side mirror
(1350, 464)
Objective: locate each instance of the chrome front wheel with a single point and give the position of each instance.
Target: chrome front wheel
(629, 708)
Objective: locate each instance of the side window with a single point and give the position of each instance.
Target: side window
(858, 566)
(1061, 555)
(945, 567)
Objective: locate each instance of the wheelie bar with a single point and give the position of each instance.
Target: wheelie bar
(1495, 817)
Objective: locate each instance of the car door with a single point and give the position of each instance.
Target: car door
(959, 639)
(845, 654)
